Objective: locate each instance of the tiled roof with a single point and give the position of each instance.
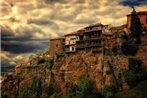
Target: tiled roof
(139, 13)
(72, 33)
(95, 25)
(119, 27)
(84, 29)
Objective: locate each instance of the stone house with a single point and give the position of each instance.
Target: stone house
(57, 46)
(90, 38)
(109, 41)
(142, 16)
(70, 42)
(117, 33)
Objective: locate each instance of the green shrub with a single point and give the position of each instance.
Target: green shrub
(50, 63)
(134, 74)
(128, 48)
(84, 89)
(108, 91)
(135, 64)
(26, 92)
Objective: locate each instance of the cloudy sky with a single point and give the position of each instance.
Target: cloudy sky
(27, 25)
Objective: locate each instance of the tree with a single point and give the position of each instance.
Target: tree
(135, 27)
(131, 42)
(129, 48)
(135, 73)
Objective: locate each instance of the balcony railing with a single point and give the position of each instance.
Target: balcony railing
(82, 46)
(80, 41)
(93, 38)
(93, 45)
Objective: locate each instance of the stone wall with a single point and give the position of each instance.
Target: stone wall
(56, 46)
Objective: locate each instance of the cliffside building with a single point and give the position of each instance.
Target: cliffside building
(117, 33)
(56, 46)
(70, 42)
(90, 38)
(142, 16)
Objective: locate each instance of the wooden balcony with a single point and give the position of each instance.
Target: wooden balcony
(70, 51)
(80, 46)
(80, 41)
(93, 45)
(93, 38)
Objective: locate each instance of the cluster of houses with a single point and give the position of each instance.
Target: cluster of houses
(97, 38)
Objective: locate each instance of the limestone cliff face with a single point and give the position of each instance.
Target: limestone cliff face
(68, 70)
(103, 70)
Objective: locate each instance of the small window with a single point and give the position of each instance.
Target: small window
(56, 45)
(73, 49)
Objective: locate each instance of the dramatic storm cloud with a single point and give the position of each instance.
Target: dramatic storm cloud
(27, 25)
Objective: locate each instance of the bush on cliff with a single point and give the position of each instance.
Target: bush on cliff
(85, 89)
(138, 91)
(34, 90)
(128, 46)
(135, 73)
(109, 91)
(50, 63)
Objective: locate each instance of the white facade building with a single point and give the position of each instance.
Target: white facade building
(70, 42)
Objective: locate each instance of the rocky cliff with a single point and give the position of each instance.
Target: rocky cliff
(68, 70)
(102, 72)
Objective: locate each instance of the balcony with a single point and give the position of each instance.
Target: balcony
(93, 38)
(93, 45)
(81, 46)
(70, 51)
(80, 41)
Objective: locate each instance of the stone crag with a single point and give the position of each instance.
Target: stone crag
(68, 70)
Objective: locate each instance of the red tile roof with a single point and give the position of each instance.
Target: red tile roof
(95, 25)
(119, 27)
(139, 13)
(72, 33)
(83, 29)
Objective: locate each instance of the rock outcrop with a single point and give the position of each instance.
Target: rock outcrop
(68, 70)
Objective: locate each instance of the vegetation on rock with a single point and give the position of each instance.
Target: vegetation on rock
(84, 89)
(137, 92)
(135, 73)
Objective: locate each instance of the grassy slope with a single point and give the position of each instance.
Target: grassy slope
(140, 91)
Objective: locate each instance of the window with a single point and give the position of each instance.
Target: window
(146, 20)
(73, 48)
(56, 45)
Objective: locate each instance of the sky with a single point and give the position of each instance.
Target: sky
(27, 25)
